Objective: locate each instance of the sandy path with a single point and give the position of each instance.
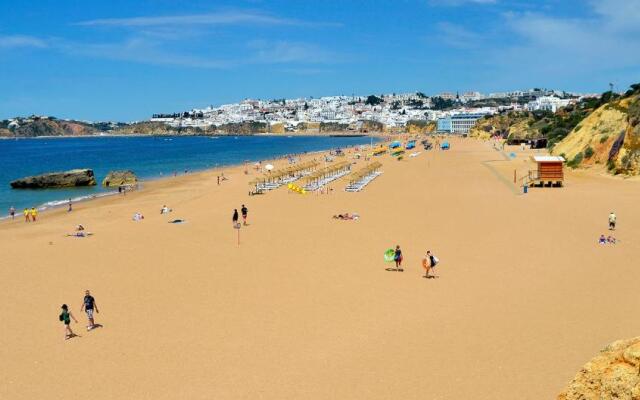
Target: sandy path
(304, 307)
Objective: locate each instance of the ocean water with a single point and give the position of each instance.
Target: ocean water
(148, 157)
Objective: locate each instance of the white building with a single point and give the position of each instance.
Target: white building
(547, 103)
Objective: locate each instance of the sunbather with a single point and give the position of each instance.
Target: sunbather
(80, 234)
(346, 216)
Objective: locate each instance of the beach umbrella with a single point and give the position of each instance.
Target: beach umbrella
(268, 167)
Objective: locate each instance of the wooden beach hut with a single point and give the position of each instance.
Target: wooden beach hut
(549, 171)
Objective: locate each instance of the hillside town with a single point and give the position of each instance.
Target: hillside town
(446, 112)
(454, 112)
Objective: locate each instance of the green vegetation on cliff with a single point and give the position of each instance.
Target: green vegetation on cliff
(608, 136)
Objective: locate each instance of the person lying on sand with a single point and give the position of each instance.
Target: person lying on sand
(602, 240)
(611, 240)
(177, 221)
(165, 210)
(346, 216)
(138, 217)
(79, 234)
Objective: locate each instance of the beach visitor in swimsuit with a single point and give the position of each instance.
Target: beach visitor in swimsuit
(12, 212)
(89, 305)
(602, 240)
(612, 221)
(235, 217)
(70, 206)
(34, 214)
(66, 318)
(397, 257)
(244, 211)
(26, 215)
(429, 263)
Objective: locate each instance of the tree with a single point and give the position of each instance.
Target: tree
(373, 100)
(438, 103)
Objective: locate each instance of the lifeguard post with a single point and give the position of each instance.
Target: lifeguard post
(550, 171)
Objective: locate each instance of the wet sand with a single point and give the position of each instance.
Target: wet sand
(304, 307)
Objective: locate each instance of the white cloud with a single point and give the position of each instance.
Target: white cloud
(13, 41)
(221, 18)
(607, 40)
(457, 35)
(279, 52)
(460, 2)
(139, 50)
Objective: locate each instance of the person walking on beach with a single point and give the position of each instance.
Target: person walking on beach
(27, 215)
(12, 212)
(235, 217)
(66, 318)
(244, 211)
(88, 305)
(612, 221)
(397, 257)
(34, 214)
(70, 206)
(428, 263)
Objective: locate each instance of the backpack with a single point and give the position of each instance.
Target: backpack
(436, 260)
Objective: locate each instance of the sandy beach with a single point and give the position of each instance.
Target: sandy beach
(304, 308)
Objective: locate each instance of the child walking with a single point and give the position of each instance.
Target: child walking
(66, 318)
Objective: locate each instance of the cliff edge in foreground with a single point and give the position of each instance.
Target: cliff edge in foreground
(613, 374)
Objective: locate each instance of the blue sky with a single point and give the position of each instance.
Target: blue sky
(124, 60)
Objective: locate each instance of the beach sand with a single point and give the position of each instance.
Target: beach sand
(304, 307)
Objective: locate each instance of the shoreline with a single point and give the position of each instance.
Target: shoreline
(149, 182)
(265, 134)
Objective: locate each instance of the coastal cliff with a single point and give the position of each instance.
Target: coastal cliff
(609, 136)
(45, 126)
(415, 127)
(612, 374)
(510, 125)
(594, 132)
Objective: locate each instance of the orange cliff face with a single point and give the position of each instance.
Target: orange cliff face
(612, 374)
(609, 138)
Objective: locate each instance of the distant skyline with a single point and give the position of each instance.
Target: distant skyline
(125, 60)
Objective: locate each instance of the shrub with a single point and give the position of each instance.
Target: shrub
(588, 152)
(576, 160)
(611, 165)
(604, 138)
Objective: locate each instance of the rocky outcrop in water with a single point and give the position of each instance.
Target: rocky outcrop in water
(119, 178)
(76, 177)
(613, 374)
